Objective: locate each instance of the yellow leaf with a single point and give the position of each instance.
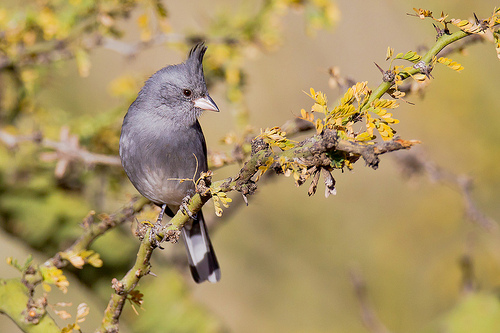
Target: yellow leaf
(422, 13)
(53, 275)
(347, 98)
(76, 261)
(389, 53)
(467, 26)
(451, 64)
(412, 56)
(142, 20)
(321, 98)
(95, 260)
(318, 108)
(319, 126)
(365, 136)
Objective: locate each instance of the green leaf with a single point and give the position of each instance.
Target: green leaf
(410, 56)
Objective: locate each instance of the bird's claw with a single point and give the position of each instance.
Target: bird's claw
(153, 235)
(184, 207)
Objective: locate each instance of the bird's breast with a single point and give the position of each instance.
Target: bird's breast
(164, 164)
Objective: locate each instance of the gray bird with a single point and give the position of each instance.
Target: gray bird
(163, 149)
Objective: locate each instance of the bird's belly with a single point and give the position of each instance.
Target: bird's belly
(160, 188)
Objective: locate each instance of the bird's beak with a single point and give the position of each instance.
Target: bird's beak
(206, 103)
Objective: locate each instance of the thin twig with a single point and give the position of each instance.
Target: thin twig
(368, 315)
(415, 164)
(66, 149)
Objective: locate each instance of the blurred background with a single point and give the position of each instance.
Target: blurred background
(287, 259)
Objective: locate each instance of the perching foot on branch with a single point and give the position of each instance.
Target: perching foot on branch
(184, 207)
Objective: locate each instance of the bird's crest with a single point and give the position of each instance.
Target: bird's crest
(195, 57)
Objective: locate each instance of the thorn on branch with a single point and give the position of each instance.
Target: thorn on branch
(388, 75)
(441, 32)
(483, 24)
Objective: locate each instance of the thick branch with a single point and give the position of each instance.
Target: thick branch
(310, 153)
(125, 286)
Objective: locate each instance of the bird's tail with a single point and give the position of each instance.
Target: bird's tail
(201, 256)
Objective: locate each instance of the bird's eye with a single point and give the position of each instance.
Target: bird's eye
(187, 92)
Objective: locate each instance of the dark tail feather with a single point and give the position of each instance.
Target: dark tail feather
(201, 256)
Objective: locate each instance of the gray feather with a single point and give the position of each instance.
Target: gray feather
(163, 149)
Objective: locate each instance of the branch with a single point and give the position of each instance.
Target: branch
(93, 230)
(413, 164)
(312, 153)
(64, 151)
(125, 286)
(440, 44)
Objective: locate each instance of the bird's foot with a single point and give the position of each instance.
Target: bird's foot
(184, 207)
(154, 238)
(160, 216)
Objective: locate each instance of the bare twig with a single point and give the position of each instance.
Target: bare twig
(64, 151)
(415, 164)
(368, 315)
(92, 230)
(132, 49)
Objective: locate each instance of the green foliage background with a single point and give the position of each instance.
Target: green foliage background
(286, 257)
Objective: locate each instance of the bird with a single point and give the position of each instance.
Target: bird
(163, 150)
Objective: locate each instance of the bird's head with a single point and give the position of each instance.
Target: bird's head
(179, 91)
